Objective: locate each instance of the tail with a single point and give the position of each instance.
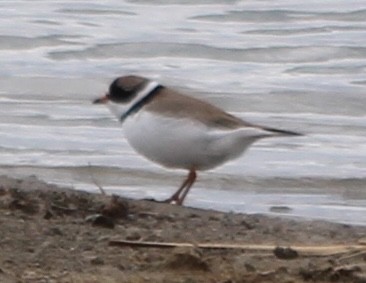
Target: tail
(282, 132)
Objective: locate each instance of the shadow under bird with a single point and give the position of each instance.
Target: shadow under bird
(179, 131)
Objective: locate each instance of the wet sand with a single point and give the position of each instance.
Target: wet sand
(53, 234)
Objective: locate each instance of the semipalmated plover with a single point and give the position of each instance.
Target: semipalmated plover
(179, 131)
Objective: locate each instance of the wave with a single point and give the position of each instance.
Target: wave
(269, 55)
(283, 15)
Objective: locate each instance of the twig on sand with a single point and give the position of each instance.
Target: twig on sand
(355, 254)
(63, 208)
(94, 180)
(304, 250)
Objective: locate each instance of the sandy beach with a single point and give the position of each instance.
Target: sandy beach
(53, 234)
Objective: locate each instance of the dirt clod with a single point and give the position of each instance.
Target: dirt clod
(187, 258)
(100, 220)
(285, 253)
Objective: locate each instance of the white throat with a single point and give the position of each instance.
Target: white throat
(120, 109)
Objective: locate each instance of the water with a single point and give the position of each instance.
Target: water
(298, 66)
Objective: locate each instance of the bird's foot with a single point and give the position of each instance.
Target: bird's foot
(168, 200)
(172, 200)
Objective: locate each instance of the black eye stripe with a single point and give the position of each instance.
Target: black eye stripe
(120, 94)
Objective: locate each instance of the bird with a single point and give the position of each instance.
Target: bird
(179, 131)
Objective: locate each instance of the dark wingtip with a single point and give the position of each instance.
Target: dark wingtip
(283, 132)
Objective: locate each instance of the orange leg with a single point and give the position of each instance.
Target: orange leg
(179, 196)
(191, 179)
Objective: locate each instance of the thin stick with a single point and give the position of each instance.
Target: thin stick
(357, 253)
(306, 250)
(63, 208)
(94, 181)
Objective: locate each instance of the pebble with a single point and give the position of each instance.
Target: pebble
(187, 258)
(100, 220)
(96, 260)
(133, 235)
(285, 253)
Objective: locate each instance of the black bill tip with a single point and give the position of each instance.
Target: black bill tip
(101, 100)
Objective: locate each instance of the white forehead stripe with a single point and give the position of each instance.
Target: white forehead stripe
(144, 92)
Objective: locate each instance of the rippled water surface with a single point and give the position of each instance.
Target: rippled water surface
(288, 64)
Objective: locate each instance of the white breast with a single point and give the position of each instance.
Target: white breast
(184, 143)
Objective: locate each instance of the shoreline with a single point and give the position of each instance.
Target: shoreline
(338, 201)
(56, 234)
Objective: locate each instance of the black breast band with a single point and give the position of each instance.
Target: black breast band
(139, 104)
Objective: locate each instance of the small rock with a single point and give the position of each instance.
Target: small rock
(55, 231)
(96, 260)
(187, 258)
(247, 225)
(283, 270)
(133, 235)
(250, 268)
(214, 218)
(28, 206)
(285, 253)
(193, 215)
(117, 208)
(48, 214)
(100, 220)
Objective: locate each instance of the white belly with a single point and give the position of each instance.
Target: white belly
(183, 143)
